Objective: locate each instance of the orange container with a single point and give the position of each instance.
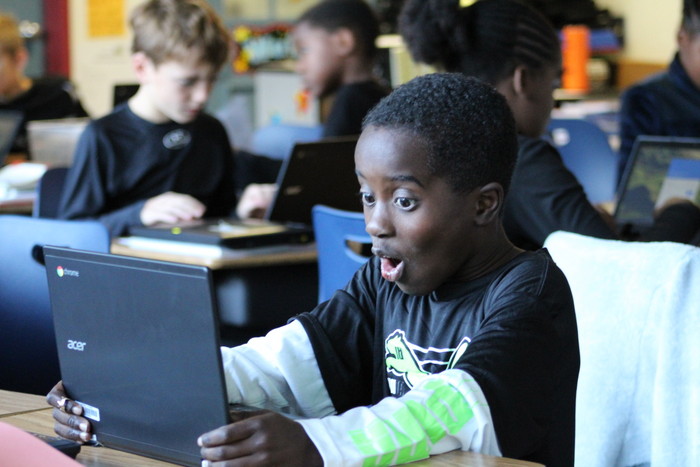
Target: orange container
(576, 50)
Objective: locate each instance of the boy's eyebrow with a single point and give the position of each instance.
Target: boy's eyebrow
(398, 178)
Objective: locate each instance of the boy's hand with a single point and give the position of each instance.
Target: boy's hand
(69, 424)
(259, 438)
(171, 207)
(255, 200)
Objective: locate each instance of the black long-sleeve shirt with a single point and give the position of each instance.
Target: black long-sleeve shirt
(122, 160)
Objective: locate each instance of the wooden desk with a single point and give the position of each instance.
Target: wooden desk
(213, 256)
(12, 403)
(40, 421)
(23, 204)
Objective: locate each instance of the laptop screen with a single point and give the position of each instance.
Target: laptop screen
(138, 346)
(661, 168)
(10, 121)
(320, 172)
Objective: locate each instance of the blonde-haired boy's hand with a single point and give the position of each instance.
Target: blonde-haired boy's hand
(171, 207)
(255, 200)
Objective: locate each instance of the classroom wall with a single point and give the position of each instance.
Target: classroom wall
(650, 28)
(100, 50)
(97, 63)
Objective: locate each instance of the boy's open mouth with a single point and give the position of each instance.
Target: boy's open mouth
(392, 268)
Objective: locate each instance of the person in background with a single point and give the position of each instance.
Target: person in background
(666, 104)
(39, 99)
(158, 157)
(514, 48)
(448, 338)
(336, 56)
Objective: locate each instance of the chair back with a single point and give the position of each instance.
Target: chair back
(278, 139)
(48, 192)
(28, 358)
(338, 234)
(586, 152)
(638, 394)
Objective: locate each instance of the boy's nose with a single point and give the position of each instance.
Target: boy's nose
(377, 222)
(201, 92)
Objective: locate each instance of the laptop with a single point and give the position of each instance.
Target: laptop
(53, 142)
(660, 168)
(138, 347)
(320, 172)
(10, 123)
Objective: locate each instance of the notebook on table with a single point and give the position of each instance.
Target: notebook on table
(321, 172)
(138, 347)
(10, 122)
(659, 169)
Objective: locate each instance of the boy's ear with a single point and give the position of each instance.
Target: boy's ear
(521, 80)
(142, 66)
(488, 204)
(344, 41)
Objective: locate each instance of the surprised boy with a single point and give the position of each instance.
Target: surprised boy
(448, 338)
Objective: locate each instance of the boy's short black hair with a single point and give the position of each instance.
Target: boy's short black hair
(465, 123)
(355, 15)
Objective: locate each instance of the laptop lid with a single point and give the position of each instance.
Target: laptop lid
(660, 168)
(53, 142)
(10, 122)
(138, 346)
(320, 172)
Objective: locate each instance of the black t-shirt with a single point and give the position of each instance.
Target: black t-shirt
(513, 330)
(48, 98)
(544, 197)
(122, 160)
(350, 105)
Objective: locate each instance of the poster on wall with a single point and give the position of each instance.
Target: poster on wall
(106, 18)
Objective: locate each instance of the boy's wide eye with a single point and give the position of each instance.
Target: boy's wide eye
(405, 203)
(367, 198)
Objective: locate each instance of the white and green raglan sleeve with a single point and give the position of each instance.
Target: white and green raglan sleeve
(446, 411)
(277, 372)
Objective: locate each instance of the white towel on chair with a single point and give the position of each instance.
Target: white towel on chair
(638, 313)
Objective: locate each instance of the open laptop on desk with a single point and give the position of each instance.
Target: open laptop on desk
(10, 121)
(660, 168)
(53, 142)
(321, 172)
(138, 346)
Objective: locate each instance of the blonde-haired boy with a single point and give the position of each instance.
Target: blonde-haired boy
(159, 157)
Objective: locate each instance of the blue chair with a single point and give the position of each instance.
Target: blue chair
(586, 152)
(338, 236)
(277, 140)
(48, 192)
(28, 359)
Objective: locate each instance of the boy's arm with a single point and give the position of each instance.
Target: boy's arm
(277, 372)
(84, 195)
(444, 412)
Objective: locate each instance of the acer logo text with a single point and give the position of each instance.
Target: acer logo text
(76, 345)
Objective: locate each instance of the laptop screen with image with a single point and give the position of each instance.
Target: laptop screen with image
(660, 169)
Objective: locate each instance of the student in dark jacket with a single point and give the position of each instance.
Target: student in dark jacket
(666, 104)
